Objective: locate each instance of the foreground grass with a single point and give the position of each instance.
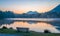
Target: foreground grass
(9, 31)
(31, 33)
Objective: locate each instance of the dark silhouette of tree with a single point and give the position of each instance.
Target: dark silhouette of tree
(6, 14)
(1, 14)
(10, 28)
(9, 14)
(4, 27)
(47, 31)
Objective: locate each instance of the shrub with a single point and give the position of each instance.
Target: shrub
(10, 28)
(4, 27)
(47, 31)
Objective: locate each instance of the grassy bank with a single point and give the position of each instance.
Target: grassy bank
(31, 33)
(9, 31)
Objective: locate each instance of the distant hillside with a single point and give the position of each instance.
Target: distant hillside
(29, 14)
(54, 13)
(56, 9)
(32, 12)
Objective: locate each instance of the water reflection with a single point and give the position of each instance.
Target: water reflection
(38, 27)
(2, 22)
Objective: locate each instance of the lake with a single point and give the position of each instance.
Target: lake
(34, 24)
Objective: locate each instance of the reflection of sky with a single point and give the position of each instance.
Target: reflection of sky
(26, 5)
(38, 27)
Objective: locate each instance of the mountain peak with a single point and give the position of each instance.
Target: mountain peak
(32, 12)
(59, 5)
(56, 9)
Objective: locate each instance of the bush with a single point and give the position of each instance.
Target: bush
(10, 28)
(47, 31)
(4, 27)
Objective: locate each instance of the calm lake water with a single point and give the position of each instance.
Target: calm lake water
(38, 26)
(8, 34)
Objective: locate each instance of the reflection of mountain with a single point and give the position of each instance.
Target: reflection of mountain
(56, 24)
(6, 22)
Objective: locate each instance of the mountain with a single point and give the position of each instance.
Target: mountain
(54, 13)
(29, 14)
(32, 12)
(56, 9)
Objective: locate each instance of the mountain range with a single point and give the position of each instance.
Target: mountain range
(54, 13)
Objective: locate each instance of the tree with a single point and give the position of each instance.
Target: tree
(4, 27)
(9, 14)
(1, 15)
(10, 28)
(47, 31)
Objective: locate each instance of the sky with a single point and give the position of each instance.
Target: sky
(23, 6)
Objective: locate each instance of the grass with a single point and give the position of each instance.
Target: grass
(10, 31)
(31, 33)
(43, 34)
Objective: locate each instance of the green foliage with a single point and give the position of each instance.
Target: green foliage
(10, 28)
(4, 27)
(31, 33)
(10, 31)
